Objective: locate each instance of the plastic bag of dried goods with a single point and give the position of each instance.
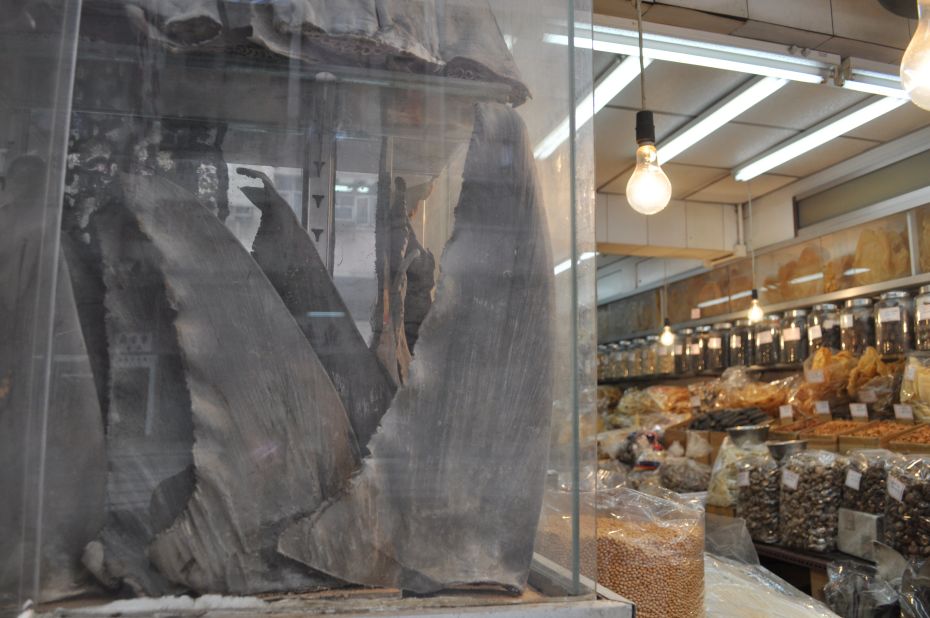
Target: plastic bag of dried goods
(915, 590)
(739, 390)
(907, 508)
(809, 500)
(864, 482)
(855, 590)
(826, 375)
(722, 488)
(879, 395)
(650, 550)
(698, 446)
(673, 399)
(915, 384)
(757, 484)
(607, 399)
(684, 475)
(870, 365)
(727, 537)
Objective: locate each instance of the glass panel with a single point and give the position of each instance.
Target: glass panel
(922, 230)
(707, 292)
(740, 285)
(309, 326)
(635, 314)
(790, 273)
(871, 253)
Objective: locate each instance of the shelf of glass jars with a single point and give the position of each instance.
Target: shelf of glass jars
(762, 372)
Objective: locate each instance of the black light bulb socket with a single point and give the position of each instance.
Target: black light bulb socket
(668, 322)
(645, 128)
(755, 294)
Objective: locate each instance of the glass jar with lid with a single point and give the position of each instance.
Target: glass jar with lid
(718, 345)
(922, 319)
(649, 355)
(635, 359)
(794, 336)
(623, 360)
(857, 325)
(768, 335)
(894, 319)
(666, 361)
(683, 355)
(702, 335)
(603, 359)
(823, 327)
(742, 343)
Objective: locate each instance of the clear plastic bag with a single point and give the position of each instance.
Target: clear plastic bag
(915, 384)
(739, 390)
(907, 508)
(650, 550)
(698, 447)
(855, 591)
(879, 395)
(758, 481)
(915, 590)
(684, 475)
(826, 375)
(864, 483)
(809, 500)
(723, 477)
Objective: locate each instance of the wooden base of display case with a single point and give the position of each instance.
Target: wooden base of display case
(807, 571)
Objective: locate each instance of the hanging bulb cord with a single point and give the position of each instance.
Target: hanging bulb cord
(752, 244)
(642, 68)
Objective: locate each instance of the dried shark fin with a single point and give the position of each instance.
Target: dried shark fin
(287, 256)
(452, 490)
(272, 439)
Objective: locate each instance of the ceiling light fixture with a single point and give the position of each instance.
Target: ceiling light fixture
(819, 135)
(607, 88)
(915, 66)
(852, 76)
(649, 190)
(745, 97)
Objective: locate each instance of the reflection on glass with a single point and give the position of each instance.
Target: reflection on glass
(790, 273)
(865, 254)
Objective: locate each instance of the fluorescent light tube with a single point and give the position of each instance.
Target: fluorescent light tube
(831, 129)
(718, 116)
(607, 88)
(872, 82)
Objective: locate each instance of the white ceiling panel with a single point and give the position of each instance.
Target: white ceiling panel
(679, 88)
(799, 106)
(804, 14)
(685, 179)
(867, 20)
(733, 144)
(831, 153)
(728, 191)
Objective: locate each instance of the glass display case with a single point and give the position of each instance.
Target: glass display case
(280, 299)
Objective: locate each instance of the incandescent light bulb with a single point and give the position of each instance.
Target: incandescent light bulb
(648, 189)
(755, 309)
(667, 338)
(915, 66)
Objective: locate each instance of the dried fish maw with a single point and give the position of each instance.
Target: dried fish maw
(287, 256)
(452, 490)
(272, 439)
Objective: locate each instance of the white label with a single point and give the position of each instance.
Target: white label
(678, 350)
(785, 411)
(763, 337)
(696, 313)
(814, 376)
(846, 321)
(664, 350)
(714, 343)
(742, 479)
(736, 342)
(858, 410)
(827, 324)
(814, 332)
(822, 407)
(695, 401)
(903, 412)
(694, 349)
(867, 395)
(923, 310)
(889, 314)
(790, 479)
(853, 479)
(792, 333)
(895, 488)
(910, 373)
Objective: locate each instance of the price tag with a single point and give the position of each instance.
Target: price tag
(763, 337)
(827, 324)
(736, 342)
(889, 314)
(822, 407)
(714, 343)
(895, 488)
(814, 332)
(792, 333)
(785, 411)
(678, 350)
(923, 310)
(742, 479)
(858, 410)
(696, 313)
(664, 350)
(694, 349)
(903, 412)
(867, 395)
(846, 321)
(910, 373)
(695, 401)
(853, 479)
(814, 376)
(789, 479)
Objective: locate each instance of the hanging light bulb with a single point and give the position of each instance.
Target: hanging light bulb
(667, 338)
(915, 66)
(648, 189)
(755, 309)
